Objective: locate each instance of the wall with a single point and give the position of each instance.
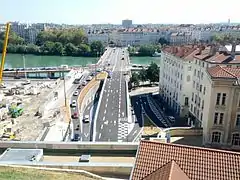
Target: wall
(186, 132)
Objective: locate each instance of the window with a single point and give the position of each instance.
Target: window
(216, 136)
(180, 87)
(202, 75)
(236, 139)
(195, 72)
(181, 76)
(198, 73)
(238, 120)
(204, 90)
(191, 107)
(186, 101)
(189, 68)
(192, 96)
(202, 104)
(195, 99)
(203, 64)
(200, 88)
(188, 78)
(215, 118)
(193, 84)
(218, 98)
(224, 99)
(201, 116)
(221, 118)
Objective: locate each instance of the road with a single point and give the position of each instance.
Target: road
(76, 122)
(111, 122)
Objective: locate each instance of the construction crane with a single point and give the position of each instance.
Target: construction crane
(4, 52)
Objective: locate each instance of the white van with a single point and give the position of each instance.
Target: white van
(86, 119)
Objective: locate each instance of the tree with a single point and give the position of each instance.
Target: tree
(21, 49)
(58, 49)
(70, 49)
(163, 41)
(153, 73)
(146, 50)
(45, 36)
(47, 47)
(83, 49)
(96, 46)
(135, 79)
(32, 49)
(143, 75)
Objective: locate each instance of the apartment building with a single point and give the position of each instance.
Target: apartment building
(179, 38)
(199, 89)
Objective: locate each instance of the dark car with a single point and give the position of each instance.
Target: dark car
(79, 87)
(75, 116)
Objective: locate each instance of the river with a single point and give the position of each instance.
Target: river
(16, 60)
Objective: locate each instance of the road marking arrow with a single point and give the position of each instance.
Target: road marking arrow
(86, 134)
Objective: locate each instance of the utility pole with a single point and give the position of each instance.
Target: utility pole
(24, 66)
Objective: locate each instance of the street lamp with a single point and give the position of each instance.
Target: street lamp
(64, 87)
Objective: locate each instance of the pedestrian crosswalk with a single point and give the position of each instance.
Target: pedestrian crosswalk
(122, 131)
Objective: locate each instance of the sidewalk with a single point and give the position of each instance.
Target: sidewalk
(144, 90)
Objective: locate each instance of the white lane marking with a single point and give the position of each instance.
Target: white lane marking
(107, 99)
(106, 105)
(86, 134)
(119, 110)
(106, 122)
(105, 111)
(117, 91)
(88, 107)
(107, 94)
(119, 105)
(99, 136)
(110, 130)
(112, 114)
(134, 132)
(119, 115)
(103, 118)
(102, 126)
(122, 113)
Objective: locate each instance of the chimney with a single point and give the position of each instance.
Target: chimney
(233, 51)
(213, 50)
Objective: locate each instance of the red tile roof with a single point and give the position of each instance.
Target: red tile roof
(170, 171)
(197, 163)
(181, 51)
(224, 72)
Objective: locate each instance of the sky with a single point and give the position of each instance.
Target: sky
(114, 11)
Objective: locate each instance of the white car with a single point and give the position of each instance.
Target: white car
(84, 83)
(86, 119)
(74, 103)
(89, 78)
(75, 93)
(26, 82)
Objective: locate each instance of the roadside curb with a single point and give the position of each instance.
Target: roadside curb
(97, 110)
(128, 104)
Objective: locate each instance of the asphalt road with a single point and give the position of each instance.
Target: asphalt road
(76, 122)
(113, 108)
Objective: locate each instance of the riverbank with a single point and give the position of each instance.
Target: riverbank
(16, 61)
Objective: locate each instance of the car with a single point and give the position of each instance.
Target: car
(74, 103)
(86, 119)
(89, 78)
(76, 81)
(75, 93)
(75, 115)
(26, 82)
(122, 58)
(108, 64)
(84, 83)
(76, 137)
(79, 87)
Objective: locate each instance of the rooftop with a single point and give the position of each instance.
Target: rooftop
(157, 160)
(224, 72)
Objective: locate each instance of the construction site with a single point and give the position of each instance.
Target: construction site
(28, 106)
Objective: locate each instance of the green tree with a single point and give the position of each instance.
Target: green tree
(153, 73)
(21, 49)
(78, 37)
(96, 46)
(58, 49)
(135, 79)
(146, 50)
(32, 49)
(11, 48)
(45, 36)
(163, 41)
(70, 49)
(83, 49)
(143, 75)
(47, 47)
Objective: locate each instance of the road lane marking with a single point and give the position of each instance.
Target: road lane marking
(107, 94)
(99, 136)
(122, 113)
(110, 130)
(107, 99)
(134, 132)
(105, 111)
(103, 118)
(106, 105)
(106, 122)
(102, 126)
(119, 115)
(88, 107)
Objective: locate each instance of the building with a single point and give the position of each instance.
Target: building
(190, 87)
(127, 23)
(166, 161)
(98, 35)
(180, 38)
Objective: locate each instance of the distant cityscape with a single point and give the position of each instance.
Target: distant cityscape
(133, 34)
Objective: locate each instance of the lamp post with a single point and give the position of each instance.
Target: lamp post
(64, 87)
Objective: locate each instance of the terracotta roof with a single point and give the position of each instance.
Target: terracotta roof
(181, 51)
(224, 72)
(170, 171)
(197, 163)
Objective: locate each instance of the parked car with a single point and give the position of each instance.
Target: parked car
(89, 78)
(84, 83)
(79, 87)
(75, 93)
(76, 81)
(75, 115)
(74, 103)
(26, 82)
(86, 119)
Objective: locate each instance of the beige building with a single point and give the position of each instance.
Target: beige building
(194, 91)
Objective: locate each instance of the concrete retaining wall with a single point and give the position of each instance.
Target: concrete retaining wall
(69, 145)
